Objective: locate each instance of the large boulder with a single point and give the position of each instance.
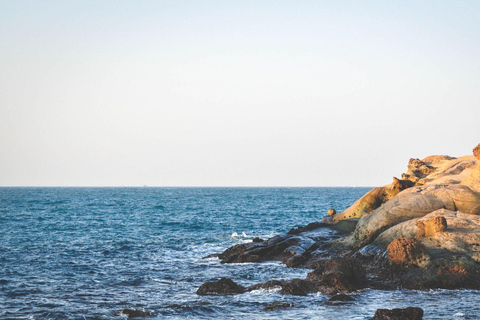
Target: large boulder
(224, 286)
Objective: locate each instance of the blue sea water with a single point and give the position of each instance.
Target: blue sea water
(87, 253)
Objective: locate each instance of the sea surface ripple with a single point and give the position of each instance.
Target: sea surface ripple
(87, 253)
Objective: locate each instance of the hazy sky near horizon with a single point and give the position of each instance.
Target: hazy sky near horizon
(234, 93)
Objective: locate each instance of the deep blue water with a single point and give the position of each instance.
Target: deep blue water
(86, 253)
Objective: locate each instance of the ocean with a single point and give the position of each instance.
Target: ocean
(88, 253)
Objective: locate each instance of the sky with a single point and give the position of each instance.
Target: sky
(234, 93)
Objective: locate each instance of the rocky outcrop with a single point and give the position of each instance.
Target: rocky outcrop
(224, 286)
(411, 313)
(419, 232)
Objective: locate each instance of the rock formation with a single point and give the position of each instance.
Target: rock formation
(420, 232)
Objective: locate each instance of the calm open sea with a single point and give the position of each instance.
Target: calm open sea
(87, 253)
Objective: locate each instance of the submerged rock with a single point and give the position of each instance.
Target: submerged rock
(224, 286)
(132, 313)
(278, 305)
(411, 313)
(339, 299)
(296, 287)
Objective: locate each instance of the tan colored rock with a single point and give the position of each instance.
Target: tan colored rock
(331, 212)
(454, 197)
(435, 159)
(460, 239)
(473, 179)
(373, 199)
(476, 151)
(418, 168)
(431, 226)
(405, 206)
(407, 252)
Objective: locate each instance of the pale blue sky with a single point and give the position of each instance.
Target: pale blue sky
(234, 93)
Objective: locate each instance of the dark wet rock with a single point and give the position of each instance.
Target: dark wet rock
(271, 284)
(280, 248)
(308, 227)
(444, 277)
(257, 239)
(339, 299)
(411, 313)
(345, 226)
(337, 275)
(224, 286)
(132, 313)
(278, 305)
(298, 287)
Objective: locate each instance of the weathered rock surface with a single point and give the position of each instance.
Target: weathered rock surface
(431, 227)
(224, 286)
(411, 313)
(407, 252)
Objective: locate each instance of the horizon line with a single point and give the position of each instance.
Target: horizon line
(146, 186)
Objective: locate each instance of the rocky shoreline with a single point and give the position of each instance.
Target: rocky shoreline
(419, 232)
